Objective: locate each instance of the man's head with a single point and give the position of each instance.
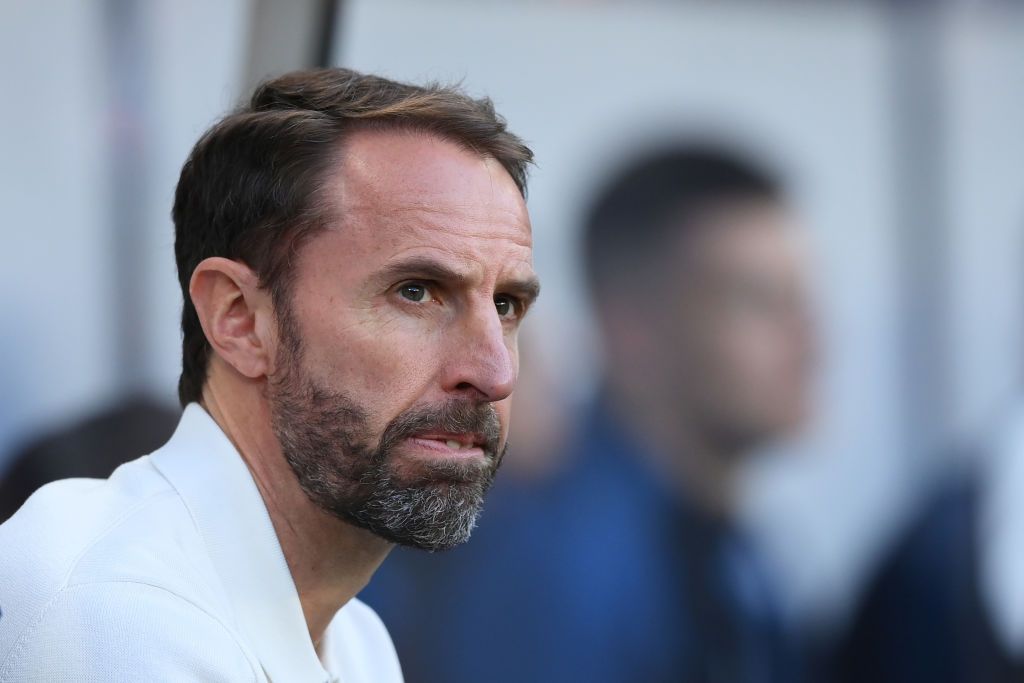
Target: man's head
(696, 272)
(356, 252)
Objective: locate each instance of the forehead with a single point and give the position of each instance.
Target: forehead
(755, 235)
(397, 190)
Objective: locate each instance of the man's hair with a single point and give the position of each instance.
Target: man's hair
(250, 189)
(642, 210)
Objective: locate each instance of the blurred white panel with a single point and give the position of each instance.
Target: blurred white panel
(58, 314)
(56, 274)
(985, 96)
(198, 53)
(803, 84)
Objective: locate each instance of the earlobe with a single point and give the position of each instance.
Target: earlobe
(230, 305)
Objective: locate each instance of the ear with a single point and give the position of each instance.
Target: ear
(235, 314)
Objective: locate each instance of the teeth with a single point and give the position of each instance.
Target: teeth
(451, 443)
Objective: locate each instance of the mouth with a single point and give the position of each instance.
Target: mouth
(447, 444)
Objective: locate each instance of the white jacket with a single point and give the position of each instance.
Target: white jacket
(170, 570)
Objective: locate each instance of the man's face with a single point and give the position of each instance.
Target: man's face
(398, 353)
(740, 332)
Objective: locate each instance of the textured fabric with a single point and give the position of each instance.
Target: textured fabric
(170, 570)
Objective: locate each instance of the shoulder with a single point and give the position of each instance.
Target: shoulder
(362, 617)
(132, 524)
(360, 645)
(915, 619)
(119, 630)
(938, 547)
(129, 535)
(63, 520)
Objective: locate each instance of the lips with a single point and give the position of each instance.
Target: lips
(457, 443)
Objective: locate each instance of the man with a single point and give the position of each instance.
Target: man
(628, 565)
(355, 258)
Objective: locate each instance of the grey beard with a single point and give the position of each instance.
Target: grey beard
(431, 518)
(324, 436)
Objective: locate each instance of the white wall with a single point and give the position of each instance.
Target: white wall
(55, 270)
(984, 67)
(58, 278)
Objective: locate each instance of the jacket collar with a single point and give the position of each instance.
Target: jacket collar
(208, 473)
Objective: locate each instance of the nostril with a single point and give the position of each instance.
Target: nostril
(471, 391)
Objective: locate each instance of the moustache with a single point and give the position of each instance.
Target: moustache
(456, 417)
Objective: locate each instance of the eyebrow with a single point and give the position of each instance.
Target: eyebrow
(528, 289)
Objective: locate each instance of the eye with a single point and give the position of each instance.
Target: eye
(507, 306)
(415, 292)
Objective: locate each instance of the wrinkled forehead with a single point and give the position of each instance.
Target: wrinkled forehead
(407, 187)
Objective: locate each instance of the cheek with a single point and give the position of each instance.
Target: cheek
(504, 410)
(385, 370)
(744, 354)
(760, 363)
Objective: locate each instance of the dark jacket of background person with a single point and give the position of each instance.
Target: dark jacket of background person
(602, 575)
(923, 619)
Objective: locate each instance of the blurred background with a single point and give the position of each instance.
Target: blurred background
(895, 127)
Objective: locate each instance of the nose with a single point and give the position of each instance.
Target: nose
(481, 361)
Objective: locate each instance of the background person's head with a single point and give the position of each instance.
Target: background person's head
(695, 269)
(355, 259)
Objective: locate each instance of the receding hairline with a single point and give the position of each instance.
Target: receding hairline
(333, 178)
(414, 130)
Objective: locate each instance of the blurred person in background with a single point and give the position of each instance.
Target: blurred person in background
(626, 564)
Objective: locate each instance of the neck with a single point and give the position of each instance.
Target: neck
(330, 561)
(701, 469)
(706, 474)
